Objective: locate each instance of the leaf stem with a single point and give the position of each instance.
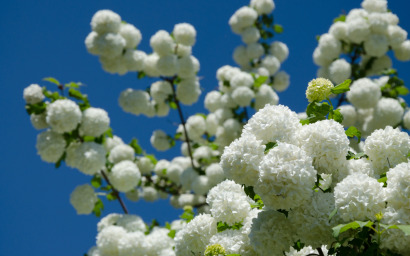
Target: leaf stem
(115, 192)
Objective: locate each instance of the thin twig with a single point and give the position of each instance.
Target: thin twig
(115, 192)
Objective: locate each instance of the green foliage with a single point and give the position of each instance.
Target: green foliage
(153, 224)
(341, 18)
(188, 214)
(96, 181)
(269, 146)
(351, 155)
(316, 111)
(255, 197)
(53, 96)
(333, 213)
(52, 80)
(278, 29)
(298, 245)
(141, 74)
(137, 148)
(76, 94)
(342, 88)
(37, 108)
(222, 226)
(112, 196)
(60, 160)
(353, 132)
(259, 81)
(98, 208)
(152, 158)
(172, 233)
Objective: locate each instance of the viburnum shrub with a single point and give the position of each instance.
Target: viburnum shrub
(253, 177)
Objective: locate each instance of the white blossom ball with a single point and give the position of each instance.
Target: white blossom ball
(340, 70)
(114, 65)
(162, 43)
(396, 35)
(188, 91)
(388, 111)
(364, 93)
(263, 6)
(168, 65)
(161, 90)
(240, 57)
(321, 59)
(187, 176)
(271, 63)
(378, 65)
(63, 115)
(329, 45)
(357, 30)
(215, 174)
(375, 5)
(184, 33)
(145, 165)
(244, 17)
(150, 194)
(124, 176)
(87, 157)
(131, 34)
(241, 79)
(39, 121)
(213, 101)
(359, 197)
(195, 235)
(243, 96)
(378, 22)
(349, 115)
(109, 238)
(134, 101)
(387, 148)
(121, 152)
(162, 166)
(265, 95)
(250, 35)
(281, 81)
(150, 65)
(133, 195)
(402, 52)
(200, 185)
(33, 94)
(109, 45)
(376, 45)
(95, 122)
(338, 30)
(50, 146)
(110, 143)
(134, 59)
(195, 126)
(183, 50)
(83, 199)
(254, 50)
(187, 67)
(279, 50)
(159, 140)
(105, 21)
(398, 186)
(273, 123)
(286, 177)
(394, 239)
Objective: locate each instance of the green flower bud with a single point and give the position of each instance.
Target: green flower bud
(319, 89)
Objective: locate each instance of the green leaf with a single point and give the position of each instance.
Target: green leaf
(222, 226)
(173, 105)
(337, 116)
(402, 90)
(278, 28)
(141, 74)
(342, 88)
(108, 133)
(341, 18)
(317, 111)
(58, 163)
(269, 146)
(88, 138)
(172, 233)
(267, 20)
(72, 92)
(332, 214)
(111, 196)
(152, 158)
(73, 85)
(389, 72)
(404, 228)
(353, 132)
(137, 148)
(37, 108)
(98, 208)
(352, 225)
(52, 80)
(96, 181)
(188, 214)
(259, 81)
(352, 155)
(304, 121)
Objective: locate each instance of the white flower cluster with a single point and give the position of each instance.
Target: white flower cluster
(83, 199)
(373, 26)
(125, 235)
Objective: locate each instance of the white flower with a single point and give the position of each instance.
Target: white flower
(233, 241)
(121, 152)
(271, 63)
(168, 65)
(378, 22)
(195, 126)
(364, 93)
(397, 35)
(188, 91)
(306, 250)
(250, 35)
(213, 101)
(387, 148)
(286, 177)
(105, 21)
(114, 65)
(395, 239)
(134, 60)
(402, 52)
(132, 243)
(50, 146)
(281, 81)
(263, 6)
(184, 33)
(357, 30)
(376, 45)
(109, 238)
(254, 50)
(338, 30)
(273, 123)
(162, 43)
(110, 143)
(160, 90)
(240, 160)
(195, 235)
(39, 121)
(349, 115)
(200, 185)
(265, 95)
(240, 56)
(387, 112)
(33, 94)
(398, 186)
(83, 199)
(150, 65)
(109, 45)
(329, 45)
(241, 79)
(159, 243)
(159, 140)
(340, 70)
(215, 174)
(271, 233)
(134, 101)
(145, 165)
(124, 176)
(149, 194)
(95, 122)
(244, 17)
(88, 157)
(359, 197)
(188, 66)
(242, 96)
(63, 115)
(279, 50)
(375, 5)
(131, 34)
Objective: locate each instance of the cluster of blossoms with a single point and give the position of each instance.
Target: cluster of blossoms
(120, 235)
(356, 46)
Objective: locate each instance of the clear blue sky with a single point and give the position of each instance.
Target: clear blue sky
(46, 38)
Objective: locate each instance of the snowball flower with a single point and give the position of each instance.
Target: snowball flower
(271, 63)
(263, 6)
(134, 60)
(184, 33)
(95, 122)
(319, 89)
(63, 115)
(109, 238)
(188, 91)
(159, 140)
(121, 152)
(33, 94)
(50, 146)
(286, 177)
(265, 95)
(357, 30)
(39, 121)
(160, 90)
(250, 35)
(406, 120)
(88, 157)
(124, 176)
(340, 70)
(83, 199)
(375, 5)
(243, 96)
(388, 111)
(213, 101)
(162, 43)
(168, 65)
(131, 34)
(279, 50)
(134, 101)
(359, 197)
(215, 174)
(364, 93)
(398, 186)
(349, 115)
(105, 21)
(281, 81)
(402, 52)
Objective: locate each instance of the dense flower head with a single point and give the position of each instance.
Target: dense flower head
(87, 157)
(95, 121)
(359, 197)
(39, 121)
(50, 146)
(124, 176)
(184, 33)
(63, 115)
(398, 186)
(162, 43)
(263, 6)
(131, 34)
(364, 93)
(105, 21)
(121, 152)
(33, 94)
(319, 89)
(83, 199)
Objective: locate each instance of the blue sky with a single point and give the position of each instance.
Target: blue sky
(46, 38)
